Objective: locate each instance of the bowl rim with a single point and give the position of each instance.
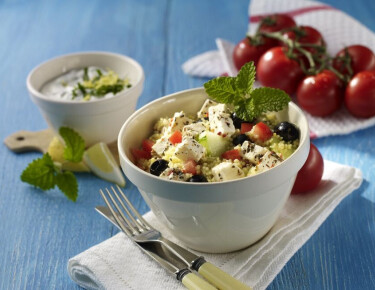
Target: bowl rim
(37, 94)
(122, 154)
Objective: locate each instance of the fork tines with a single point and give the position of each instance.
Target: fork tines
(131, 222)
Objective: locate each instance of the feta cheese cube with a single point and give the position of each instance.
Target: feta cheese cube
(227, 171)
(252, 152)
(194, 129)
(179, 120)
(161, 145)
(268, 161)
(174, 174)
(189, 148)
(203, 112)
(220, 121)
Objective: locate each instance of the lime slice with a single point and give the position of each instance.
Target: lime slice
(101, 161)
(56, 151)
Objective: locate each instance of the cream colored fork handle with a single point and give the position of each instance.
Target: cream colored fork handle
(220, 279)
(194, 282)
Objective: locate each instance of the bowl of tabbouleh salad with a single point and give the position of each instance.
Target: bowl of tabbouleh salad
(90, 92)
(220, 182)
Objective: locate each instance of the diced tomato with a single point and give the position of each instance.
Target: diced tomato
(147, 145)
(190, 166)
(176, 137)
(140, 154)
(246, 127)
(261, 132)
(232, 154)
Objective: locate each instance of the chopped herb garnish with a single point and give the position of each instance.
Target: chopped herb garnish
(100, 85)
(85, 74)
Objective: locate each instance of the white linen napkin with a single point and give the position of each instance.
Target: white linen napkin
(117, 263)
(338, 29)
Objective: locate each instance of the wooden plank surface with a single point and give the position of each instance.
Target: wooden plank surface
(39, 231)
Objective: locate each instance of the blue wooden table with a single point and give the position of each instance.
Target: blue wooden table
(40, 231)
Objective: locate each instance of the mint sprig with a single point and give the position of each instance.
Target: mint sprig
(248, 103)
(45, 174)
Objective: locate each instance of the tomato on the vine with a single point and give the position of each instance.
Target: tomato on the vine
(276, 70)
(359, 58)
(250, 49)
(311, 173)
(360, 95)
(305, 35)
(276, 22)
(321, 94)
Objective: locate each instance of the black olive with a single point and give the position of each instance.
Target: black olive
(287, 131)
(158, 166)
(239, 139)
(197, 178)
(236, 121)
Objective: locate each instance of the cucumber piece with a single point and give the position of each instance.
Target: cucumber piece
(215, 145)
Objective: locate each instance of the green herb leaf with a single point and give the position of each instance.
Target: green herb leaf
(85, 74)
(40, 173)
(67, 183)
(75, 145)
(223, 90)
(267, 100)
(245, 79)
(238, 91)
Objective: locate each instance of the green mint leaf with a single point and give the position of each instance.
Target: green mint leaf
(67, 183)
(223, 90)
(267, 100)
(242, 111)
(75, 145)
(40, 173)
(245, 79)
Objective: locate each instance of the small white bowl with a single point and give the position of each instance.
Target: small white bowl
(213, 217)
(95, 120)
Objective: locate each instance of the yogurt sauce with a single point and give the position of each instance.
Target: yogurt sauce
(72, 86)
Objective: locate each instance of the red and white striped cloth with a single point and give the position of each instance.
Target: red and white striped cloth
(338, 29)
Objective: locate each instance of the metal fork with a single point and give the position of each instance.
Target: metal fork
(138, 229)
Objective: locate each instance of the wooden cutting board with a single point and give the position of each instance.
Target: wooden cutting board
(27, 141)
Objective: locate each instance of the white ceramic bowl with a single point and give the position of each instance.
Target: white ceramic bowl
(211, 217)
(98, 119)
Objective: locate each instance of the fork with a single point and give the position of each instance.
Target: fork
(138, 229)
(146, 238)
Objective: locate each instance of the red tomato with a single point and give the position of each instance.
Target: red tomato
(190, 166)
(320, 95)
(276, 22)
(276, 70)
(231, 154)
(311, 173)
(361, 58)
(176, 137)
(140, 154)
(305, 35)
(246, 127)
(261, 132)
(147, 145)
(249, 50)
(360, 95)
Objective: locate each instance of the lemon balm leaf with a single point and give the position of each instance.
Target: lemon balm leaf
(67, 183)
(266, 100)
(245, 79)
(249, 103)
(223, 90)
(40, 173)
(75, 145)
